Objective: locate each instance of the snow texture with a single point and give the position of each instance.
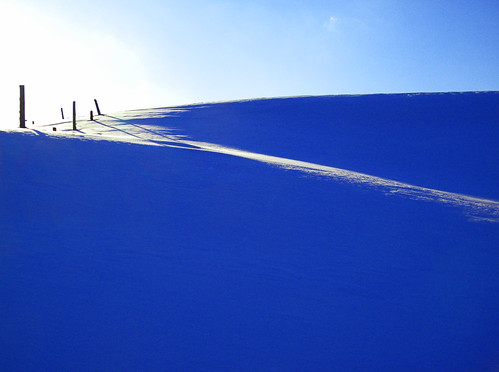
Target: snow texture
(306, 233)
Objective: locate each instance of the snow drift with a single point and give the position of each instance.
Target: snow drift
(363, 237)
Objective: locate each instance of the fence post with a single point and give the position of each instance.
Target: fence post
(91, 115)
(74, 115)
(22, 115)
(62, 113)
(97, 107)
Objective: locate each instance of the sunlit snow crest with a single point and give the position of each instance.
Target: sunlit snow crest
(123, 127)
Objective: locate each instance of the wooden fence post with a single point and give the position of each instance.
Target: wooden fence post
(74, 115)
(97, 107)
(22, 114)
(91, 115)
(62, 113)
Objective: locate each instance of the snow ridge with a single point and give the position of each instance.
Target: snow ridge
(123, 127)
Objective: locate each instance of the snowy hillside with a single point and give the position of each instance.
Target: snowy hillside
(307, 233)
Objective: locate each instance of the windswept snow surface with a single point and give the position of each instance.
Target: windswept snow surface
(308, 233)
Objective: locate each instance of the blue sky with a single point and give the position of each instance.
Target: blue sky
(138, 54)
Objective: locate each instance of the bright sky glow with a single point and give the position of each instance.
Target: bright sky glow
(149, 53)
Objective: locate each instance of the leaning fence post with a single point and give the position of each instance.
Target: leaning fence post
(97, 107)
(62, 113)
(74, 115)
(22, 116)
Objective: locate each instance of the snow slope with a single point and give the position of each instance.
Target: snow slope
(308, 233)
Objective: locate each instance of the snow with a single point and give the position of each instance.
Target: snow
(341, 232)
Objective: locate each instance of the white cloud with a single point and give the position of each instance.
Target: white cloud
(331, 23)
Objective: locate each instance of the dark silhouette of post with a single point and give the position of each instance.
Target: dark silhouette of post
(62, 113)
(22, 115)
(97, 107)
(91, 115)
(74, 115)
